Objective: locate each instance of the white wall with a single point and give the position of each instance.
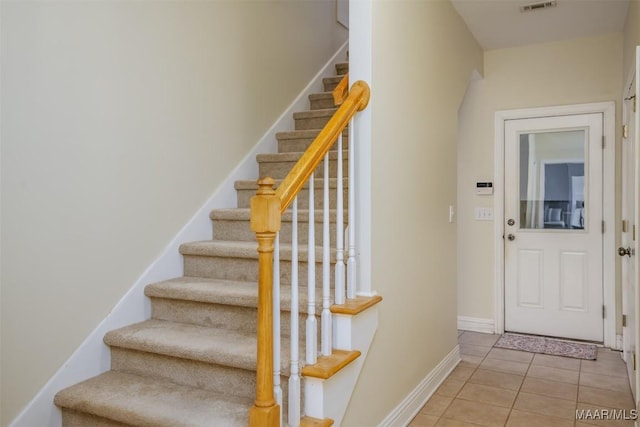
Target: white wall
(422, 59)
(568, 72)
(119, 119)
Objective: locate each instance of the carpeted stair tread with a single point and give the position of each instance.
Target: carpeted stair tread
(244, 249)
(244, 214)
(227, 292)
(148, 402)
(205, 344)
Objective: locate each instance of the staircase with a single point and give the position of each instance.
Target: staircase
(194, 362)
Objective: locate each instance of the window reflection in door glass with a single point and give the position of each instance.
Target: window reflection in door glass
(552, 180)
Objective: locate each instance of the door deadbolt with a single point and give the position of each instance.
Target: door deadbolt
(511, 222)
(511, 237)
(625, 251)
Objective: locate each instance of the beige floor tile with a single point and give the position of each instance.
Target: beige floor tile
(487, 394)
(436, 405)
(423, 420)
(477, 338)
(544, 405)
(553, 374)
(607, 382)
(615, 368)
(505, 366)
(601, 420)
(448, 422)
(606, 398)
(606, 353)
(461, 373)
(496, 379)
(449, 388)
(529, 419)
(550, 388)
(477, 413)
(470, 361)
(474, 350)
(556, 362)
(511, 355)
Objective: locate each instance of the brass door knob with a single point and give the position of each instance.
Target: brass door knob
(624, 251)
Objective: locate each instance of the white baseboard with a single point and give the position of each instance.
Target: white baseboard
(92, 357)
(411, 405)
(476, 324)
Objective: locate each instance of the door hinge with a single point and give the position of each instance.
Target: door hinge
(624, 320)
(625, 131)
(634, 361)
(603, 141)
(634, 232)
(603, 311)
(625, 225)
(602, 227)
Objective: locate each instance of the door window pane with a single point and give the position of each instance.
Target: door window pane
(552, 180)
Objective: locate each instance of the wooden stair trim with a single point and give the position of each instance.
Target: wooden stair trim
(328, 366)
(315, 422)
(356, 305)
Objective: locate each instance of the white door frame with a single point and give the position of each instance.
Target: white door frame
(609, 208)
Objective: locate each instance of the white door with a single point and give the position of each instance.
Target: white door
(553, 232)
(627, 249)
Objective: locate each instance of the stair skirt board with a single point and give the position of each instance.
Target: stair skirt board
(476, 324)
(411, 405)
(92, 357)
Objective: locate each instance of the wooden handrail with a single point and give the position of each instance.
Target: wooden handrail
(267, 207)
(341, 91)
(357, 100)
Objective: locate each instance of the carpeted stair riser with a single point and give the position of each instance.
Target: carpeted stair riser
(245, 269)
(233, 318)
(299, 141)
(247, 189)
(321, 101)
(316, 119)
(193, 373)
(236, 229)
(342, 68)
(330, 83)
(277, 166)
(72, 418)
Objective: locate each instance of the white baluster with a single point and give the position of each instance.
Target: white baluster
(340, 267)
(325, 318)
(312, 324)
(277, 389)
(351, 262)
(294, 378)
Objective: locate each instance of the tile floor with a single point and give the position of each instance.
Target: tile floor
(499, 387)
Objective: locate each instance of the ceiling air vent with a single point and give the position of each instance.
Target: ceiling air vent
(538, 6)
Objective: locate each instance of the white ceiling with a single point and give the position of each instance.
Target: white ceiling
(498, 24)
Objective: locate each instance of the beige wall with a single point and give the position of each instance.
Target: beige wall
(568, 72)
(119, 119)
(631, 38)
(423, 56)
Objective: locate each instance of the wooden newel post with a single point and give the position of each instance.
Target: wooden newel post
(265, 222)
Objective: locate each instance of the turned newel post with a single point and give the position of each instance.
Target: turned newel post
(265, 222)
